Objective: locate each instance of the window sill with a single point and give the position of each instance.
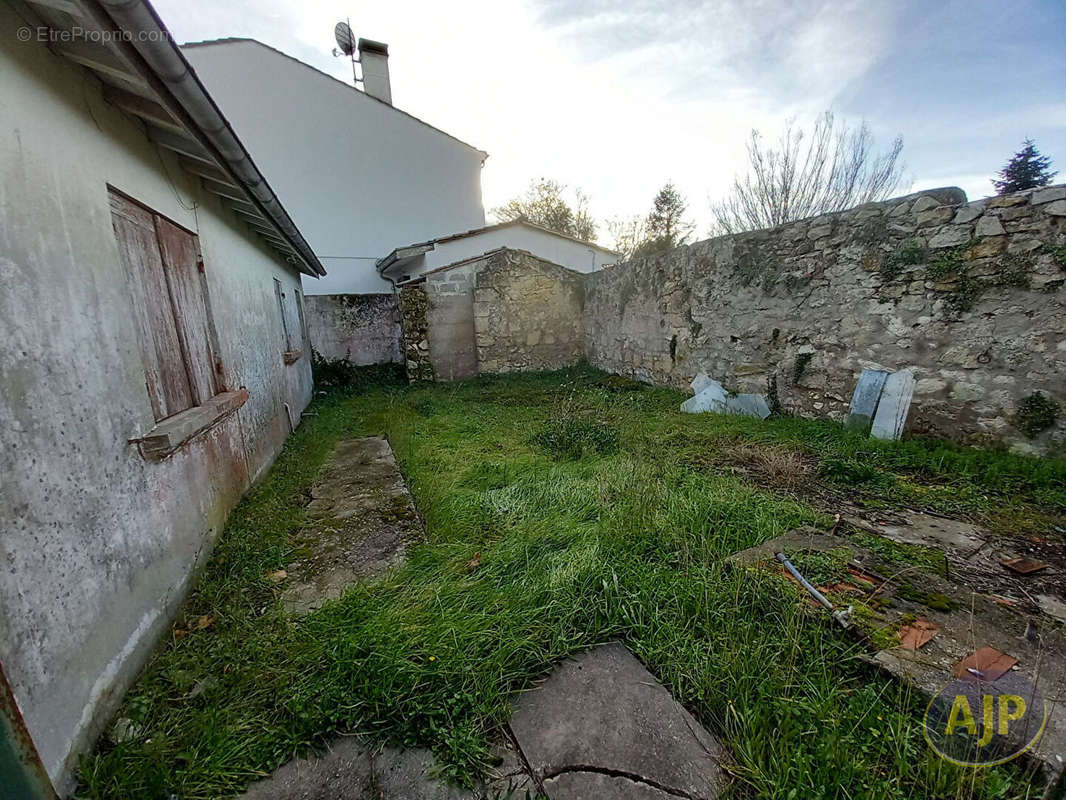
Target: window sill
(170, 434)
(291, 356)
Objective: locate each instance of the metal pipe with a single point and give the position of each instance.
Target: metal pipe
(843, 616)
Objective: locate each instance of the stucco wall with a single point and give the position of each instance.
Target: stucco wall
(450, 318)
(970, 295)
(99, 545)
(362, 328)
(358, 177)
(527, 314)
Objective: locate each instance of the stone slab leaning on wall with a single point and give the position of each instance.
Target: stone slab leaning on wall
(968, 294)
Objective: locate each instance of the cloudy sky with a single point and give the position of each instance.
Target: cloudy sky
(617, 98)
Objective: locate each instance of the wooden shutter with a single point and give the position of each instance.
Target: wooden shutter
(164, 364)
(280, 294)
(181, 263)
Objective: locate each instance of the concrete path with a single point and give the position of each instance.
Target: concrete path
(602, 728)
(353, 770)
(362, 522)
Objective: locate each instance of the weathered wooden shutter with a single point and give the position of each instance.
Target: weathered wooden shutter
(181, 263)
(157, 332)
(280, 294)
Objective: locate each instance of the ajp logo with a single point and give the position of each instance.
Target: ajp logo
(983, 719)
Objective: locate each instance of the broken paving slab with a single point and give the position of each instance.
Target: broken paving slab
(965, 621)
(362, 521)
(711, 396)
(352, 769)
(602, 728)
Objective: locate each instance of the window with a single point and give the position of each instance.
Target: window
(164, 272)
(303, 320)
(293, 349)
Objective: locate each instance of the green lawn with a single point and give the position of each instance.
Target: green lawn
(597, 512)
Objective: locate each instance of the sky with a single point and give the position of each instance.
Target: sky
(618, 98)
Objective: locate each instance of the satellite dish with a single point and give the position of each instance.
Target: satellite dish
(342, 32)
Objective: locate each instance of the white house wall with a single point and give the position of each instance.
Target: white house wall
(565, 252)
(99, 545)
(357, 176)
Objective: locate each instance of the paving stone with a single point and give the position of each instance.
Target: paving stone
(362, 521)
(602, 728)
(343, 773)
(353, 770)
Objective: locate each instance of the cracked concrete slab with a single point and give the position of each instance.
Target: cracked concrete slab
(601, 727)
(362, 522)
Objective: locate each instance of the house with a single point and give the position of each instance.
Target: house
(360, 176)
(154, 358)
(409, 262)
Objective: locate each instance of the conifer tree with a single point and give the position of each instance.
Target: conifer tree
(1028, 169)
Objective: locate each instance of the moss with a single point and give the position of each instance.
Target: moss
(1058, 253)
(799, 367)
(1036, 414)
(909, 254)
(933, 600)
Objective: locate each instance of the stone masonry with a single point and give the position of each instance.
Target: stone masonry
(970, 295)
(527, 314)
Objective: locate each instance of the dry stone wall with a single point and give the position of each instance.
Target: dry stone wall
(969, 295)
(413, 307)
(527, 314)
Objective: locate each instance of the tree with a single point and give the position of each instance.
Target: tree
(628, 235)
(543, 204)
(664, 228)
(667, 227)
(802, 176)
(1028, 169)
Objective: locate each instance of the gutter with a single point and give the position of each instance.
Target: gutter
(153, 42)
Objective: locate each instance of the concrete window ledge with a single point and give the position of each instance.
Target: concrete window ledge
(171, 433)
(291, 356)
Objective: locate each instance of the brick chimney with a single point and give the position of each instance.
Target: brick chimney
(374, 58)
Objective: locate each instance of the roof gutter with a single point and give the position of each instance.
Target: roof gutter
(154, 44)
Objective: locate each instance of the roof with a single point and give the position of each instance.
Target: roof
(144, 73)
(248, 40)
(418, 248)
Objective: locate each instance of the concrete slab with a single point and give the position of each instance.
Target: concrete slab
(353, 770)
(965, 620)
(602, 728)
(362, 522)
(864, 400)
(895, 404)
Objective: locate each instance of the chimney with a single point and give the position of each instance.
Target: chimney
(374, 57)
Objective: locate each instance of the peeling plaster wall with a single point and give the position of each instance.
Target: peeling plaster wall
(362, 328)
(99, 545)
(527, 314)
(968, 294)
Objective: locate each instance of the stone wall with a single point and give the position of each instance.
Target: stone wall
(970, 295)
(413, 308)
(362, 328)
(527, 314)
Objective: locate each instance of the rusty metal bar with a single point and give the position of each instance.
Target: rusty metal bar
(24, 776)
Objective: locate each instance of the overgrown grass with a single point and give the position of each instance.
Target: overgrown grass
(623, 540)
